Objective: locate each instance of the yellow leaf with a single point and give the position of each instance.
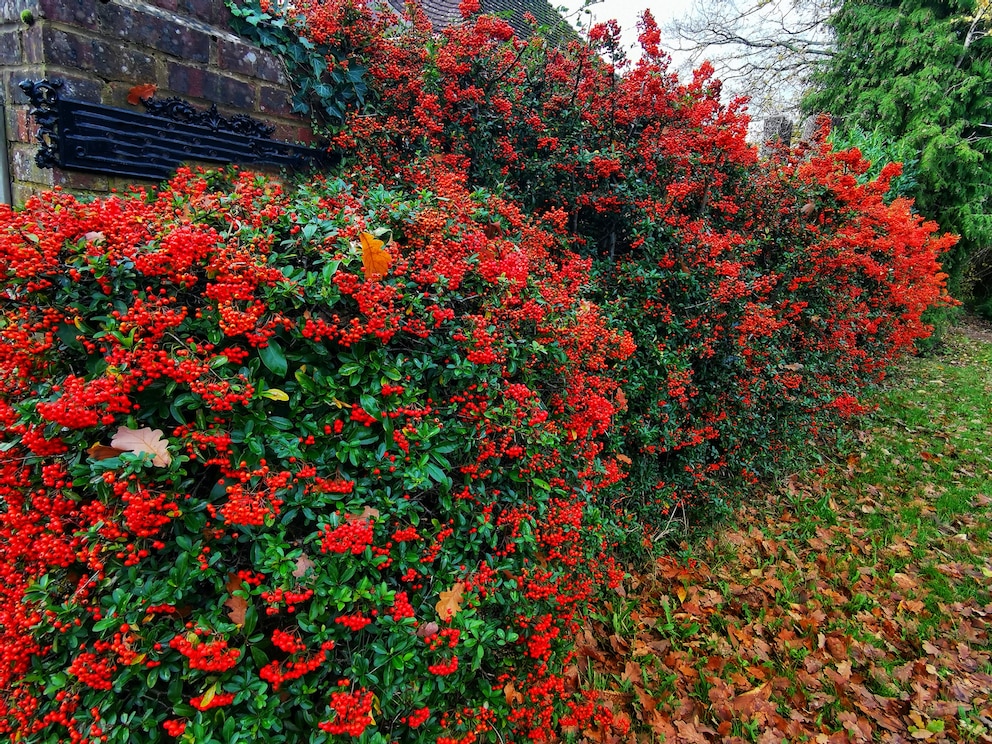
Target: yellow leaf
(681, 593)
(451, 601)
(375, 260)
(209, 694)
(143, 440)
(275, 394)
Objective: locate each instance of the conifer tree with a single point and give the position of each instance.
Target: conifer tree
(918, 72)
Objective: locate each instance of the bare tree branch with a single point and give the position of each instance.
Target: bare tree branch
(765, 49)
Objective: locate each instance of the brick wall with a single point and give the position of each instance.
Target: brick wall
(102, 49)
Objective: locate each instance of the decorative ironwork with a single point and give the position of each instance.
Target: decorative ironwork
(44, 97)
(176, 109)
(78, 135)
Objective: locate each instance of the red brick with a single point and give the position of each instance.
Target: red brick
(10, 45)
(79, 87)
(23, 167)
(214, 12)
(33, 44)
(219, 89)
(276, 101)
(23, 128)
(77, 180)
(79, 14)
(250, 61)
(165, 35)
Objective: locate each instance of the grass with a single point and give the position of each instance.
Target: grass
(853, 604)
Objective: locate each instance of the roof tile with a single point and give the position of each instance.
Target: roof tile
(443, 13)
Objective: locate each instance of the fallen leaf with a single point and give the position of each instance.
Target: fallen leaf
(138, 92)
(375, 261)
(303, 564)
(368, 513)
(625, 460)
(237, 606)
(632, 673)
(103, 452)
(513, 698)
(904, 581)
(450, 601)
(143, 440)
(428, 630)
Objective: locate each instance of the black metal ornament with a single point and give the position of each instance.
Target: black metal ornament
(79, 135)
(44, 98)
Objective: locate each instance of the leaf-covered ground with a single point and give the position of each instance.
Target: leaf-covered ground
(852, 605)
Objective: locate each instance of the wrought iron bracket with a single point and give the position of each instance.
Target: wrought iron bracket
(44, 98)
(78, 135)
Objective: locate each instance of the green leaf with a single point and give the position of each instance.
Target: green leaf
(272, 356)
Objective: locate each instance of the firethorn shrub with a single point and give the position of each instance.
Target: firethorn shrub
(763, 295)
(370, 510)
(350, 459)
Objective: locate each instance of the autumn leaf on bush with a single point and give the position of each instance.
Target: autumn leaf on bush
(143, 440)
(210, 694)
(103, 452)
(368, 514)
(451, 601)
(145, 90)
(513, 697)
(374, 259)
(303, 564)
(237, 606)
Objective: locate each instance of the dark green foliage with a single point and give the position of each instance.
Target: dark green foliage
(321, 89)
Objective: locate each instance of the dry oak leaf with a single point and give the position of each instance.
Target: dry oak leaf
(143, 440)
(236, 606)
(368, 514)
(375, 261)
(513, 698)
(103, 452)
(303, 564)
(146, 90)
(451, 601)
